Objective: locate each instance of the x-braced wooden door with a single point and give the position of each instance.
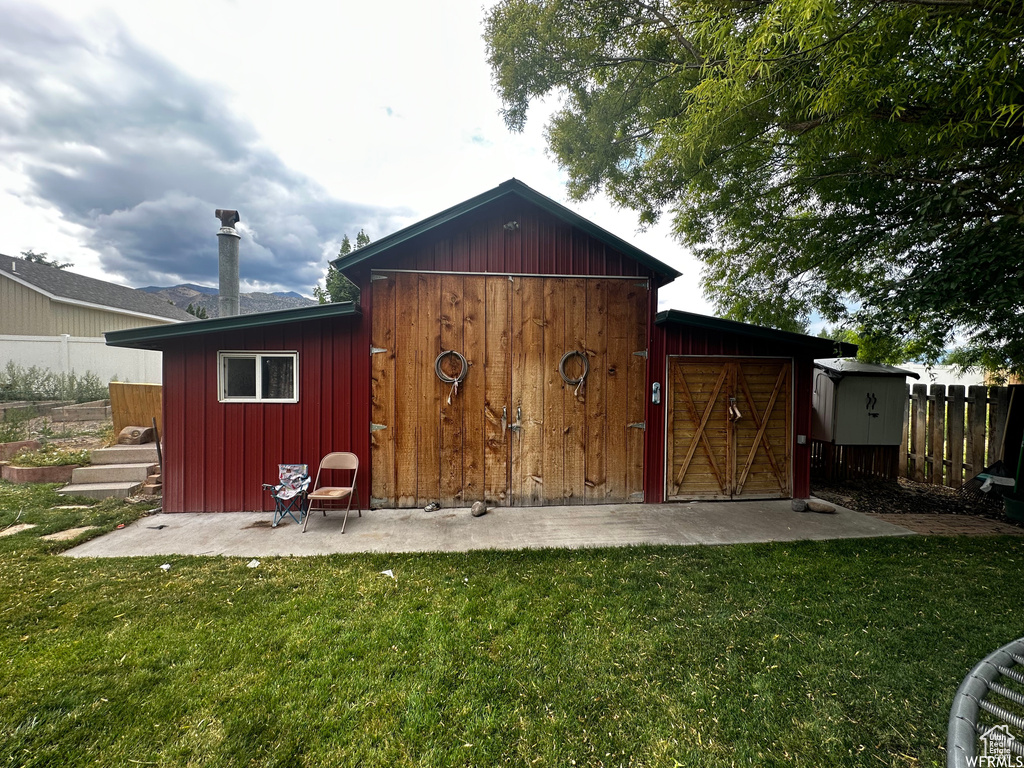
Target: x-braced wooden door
(729, 428)
(515, 431)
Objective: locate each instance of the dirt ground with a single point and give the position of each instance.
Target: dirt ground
(904, 496)
(75, 435)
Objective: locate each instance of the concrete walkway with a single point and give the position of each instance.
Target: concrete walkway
(248, 534)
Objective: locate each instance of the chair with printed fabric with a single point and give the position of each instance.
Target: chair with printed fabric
(289, 494)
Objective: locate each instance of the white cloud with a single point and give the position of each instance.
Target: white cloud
(284, 111)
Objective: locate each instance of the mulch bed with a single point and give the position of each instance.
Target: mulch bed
(904, 496)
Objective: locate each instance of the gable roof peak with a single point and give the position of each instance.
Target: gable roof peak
(512, 186)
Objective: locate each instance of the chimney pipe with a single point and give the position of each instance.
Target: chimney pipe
(227, 247)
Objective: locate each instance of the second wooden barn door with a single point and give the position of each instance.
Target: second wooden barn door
(513, 432)
(578, 443)
(729, 428)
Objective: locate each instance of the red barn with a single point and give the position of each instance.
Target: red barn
(504, 350)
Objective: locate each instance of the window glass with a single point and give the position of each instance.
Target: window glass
(240, 376)
(278, 378)
(258, 377)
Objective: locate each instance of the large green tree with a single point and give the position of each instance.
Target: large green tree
(337, 287)
(857, 158)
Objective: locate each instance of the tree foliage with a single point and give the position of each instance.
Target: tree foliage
(197, 311)
(857, 158)
(42, 258)
(337, 287)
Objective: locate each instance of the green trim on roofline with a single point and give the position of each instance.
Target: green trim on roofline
(816, 345)
(510, 187)
(154, 337)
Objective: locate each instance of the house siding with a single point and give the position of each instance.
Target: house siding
(27, 312)
(218, 455)
(24, 312)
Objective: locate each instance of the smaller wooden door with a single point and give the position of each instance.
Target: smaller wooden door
(729, 428)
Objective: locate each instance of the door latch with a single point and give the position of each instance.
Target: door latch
(734, 412)
(519, 421)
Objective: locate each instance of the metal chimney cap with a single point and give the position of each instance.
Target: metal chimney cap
(227, 218)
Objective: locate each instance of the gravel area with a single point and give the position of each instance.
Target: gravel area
(904, 496)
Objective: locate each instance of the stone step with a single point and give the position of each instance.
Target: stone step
(126, 454)
(101, 490)
(112, 473)
(151, 489)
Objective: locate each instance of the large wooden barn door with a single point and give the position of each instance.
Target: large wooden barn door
(728, 428)
(513, 432)
(431, 441)
(578, 443)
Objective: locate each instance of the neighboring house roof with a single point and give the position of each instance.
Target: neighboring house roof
(510, 187)
(812, 344)
(837, 368)
(154, 337)
(70, 288)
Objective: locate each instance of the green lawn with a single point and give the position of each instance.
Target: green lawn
(836, 653)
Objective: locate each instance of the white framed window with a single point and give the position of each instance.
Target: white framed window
(258, 377)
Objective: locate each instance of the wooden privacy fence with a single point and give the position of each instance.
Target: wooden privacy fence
(952, 433)
(136, 405)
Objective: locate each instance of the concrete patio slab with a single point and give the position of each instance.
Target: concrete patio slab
(249, 534)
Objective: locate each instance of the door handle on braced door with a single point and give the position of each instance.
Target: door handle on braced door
(519, 421)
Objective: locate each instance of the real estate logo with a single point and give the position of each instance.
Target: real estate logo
(997, 749)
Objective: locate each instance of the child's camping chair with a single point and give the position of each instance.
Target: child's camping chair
(289, 494)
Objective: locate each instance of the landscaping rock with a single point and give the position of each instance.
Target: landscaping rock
(135, 436)
(820, 506)
(799, 505)
(7, 450)
(478, 509)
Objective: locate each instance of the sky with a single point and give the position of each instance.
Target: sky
(124, 125)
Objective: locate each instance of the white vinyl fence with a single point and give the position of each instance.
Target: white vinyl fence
(81, 355)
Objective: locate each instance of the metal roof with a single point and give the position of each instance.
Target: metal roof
(837, 368)
(155, 337)
(815, 345)
(507, 188)
(70, 288)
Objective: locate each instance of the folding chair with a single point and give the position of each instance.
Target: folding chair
(325, 497)
(290, 491)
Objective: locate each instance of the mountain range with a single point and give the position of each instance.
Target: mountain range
(205, 297)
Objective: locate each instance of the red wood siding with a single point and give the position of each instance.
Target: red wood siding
(217, 455)
(673, 339)
(542, 245)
